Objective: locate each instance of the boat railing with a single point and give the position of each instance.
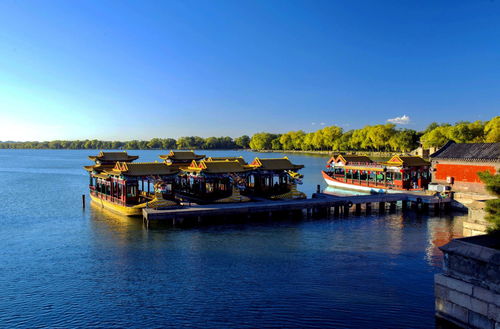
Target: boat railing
(107, 197)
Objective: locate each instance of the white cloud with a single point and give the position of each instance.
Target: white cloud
(322, 124)
(313, 123)
(403, 120)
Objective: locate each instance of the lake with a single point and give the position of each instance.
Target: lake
(63, 266)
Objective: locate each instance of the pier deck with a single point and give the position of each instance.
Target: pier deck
(319, 201)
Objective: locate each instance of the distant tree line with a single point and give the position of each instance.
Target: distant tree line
(384, 137)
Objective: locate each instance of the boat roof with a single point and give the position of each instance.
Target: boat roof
(407, 161)
(275, 164)
(182, 155)
(349, 158)
(143, 169)
(216, 167)
(239, 159)
(113, 156)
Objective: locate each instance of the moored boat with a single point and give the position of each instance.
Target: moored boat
(360, 173)
(118, 184)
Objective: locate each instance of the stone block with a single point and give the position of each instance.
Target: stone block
(458, 285)
(441, 291)
(486, 295)
(475, 227)
(494, 312)
(479, 306)
(477, 320)
(454, 311)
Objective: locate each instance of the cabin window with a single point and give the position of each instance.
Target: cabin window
(251, 181)
(131, 191)
(397, 176)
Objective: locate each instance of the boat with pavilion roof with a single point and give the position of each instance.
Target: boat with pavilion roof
(400, 173)
(127, 187)
(124, 186)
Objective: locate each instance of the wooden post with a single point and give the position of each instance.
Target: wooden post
(392, 206)
(358, 208)
(83, 201)
(368, 208)
(336, 211)
(404, 204)
(346, 210)
(381, 207)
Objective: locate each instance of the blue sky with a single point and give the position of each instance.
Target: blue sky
(141, 69)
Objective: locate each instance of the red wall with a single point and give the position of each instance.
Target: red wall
(461, 173)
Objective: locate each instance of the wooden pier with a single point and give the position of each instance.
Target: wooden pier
(319, 204)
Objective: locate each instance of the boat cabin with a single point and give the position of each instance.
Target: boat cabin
(212, 181)
(408, 172)
(272, 177)
(134, 183)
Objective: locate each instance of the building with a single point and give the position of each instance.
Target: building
(457, 165)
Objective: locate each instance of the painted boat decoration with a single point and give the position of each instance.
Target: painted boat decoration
(360, 173)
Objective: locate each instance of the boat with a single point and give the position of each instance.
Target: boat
(358, 172)
(126, 187)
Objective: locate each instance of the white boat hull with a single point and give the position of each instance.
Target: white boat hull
(369, 189)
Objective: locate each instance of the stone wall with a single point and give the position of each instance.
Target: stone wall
(468, 292)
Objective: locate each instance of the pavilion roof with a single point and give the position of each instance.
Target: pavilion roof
(239, 159)
(182, 156)
(469, 151)
(275, 164)
(98, 167)
(350, 158)
(113, 156)
(143, 169)
(216, 167)
(407, 161)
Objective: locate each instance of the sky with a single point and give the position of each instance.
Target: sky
(122, 70)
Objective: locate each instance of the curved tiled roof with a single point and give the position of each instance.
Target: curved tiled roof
(143, 169)
(275, 164)
(239, 159)
(469, 151)
(353, 158)
(113, 156)
(182, 155)
(216, 167)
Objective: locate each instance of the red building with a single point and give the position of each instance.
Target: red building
(457, 165)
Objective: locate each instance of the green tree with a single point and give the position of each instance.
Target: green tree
(154, 143)
(492, 183)
(492, 130)
(168, 143)
(436, 137)
(330, 135)
(262, 141)
(243, 142)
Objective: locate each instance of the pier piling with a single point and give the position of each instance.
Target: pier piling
(83, 201)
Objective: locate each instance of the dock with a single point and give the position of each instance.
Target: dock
(320, 204)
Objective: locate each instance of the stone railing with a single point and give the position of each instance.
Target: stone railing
(468, 292)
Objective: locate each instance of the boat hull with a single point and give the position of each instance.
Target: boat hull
(122, 210)
(369, 189)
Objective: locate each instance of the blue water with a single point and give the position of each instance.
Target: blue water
(64, 267)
